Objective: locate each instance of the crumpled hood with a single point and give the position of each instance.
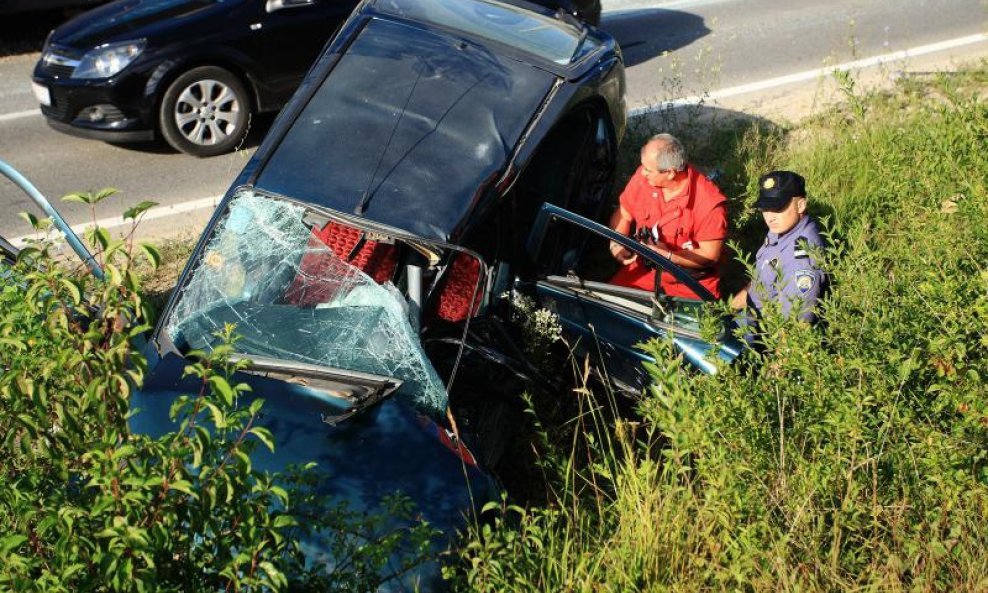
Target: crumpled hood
(385, 449)
(138, 19)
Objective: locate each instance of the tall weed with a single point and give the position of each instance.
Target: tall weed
(847, 456)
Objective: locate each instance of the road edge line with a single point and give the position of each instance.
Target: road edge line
(805, 75)
(152, 214)
(19, 114)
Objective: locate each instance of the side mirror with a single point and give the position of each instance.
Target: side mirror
(276, 5)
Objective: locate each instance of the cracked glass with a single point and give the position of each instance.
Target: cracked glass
(293, 298)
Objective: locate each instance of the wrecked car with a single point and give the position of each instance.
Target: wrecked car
(364, 249)
(441, 160)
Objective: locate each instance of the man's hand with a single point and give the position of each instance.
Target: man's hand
(740, 300)
(624, 256)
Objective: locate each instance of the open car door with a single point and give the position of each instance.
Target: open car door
(573, 267)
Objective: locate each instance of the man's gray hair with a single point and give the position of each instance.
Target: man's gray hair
(668, 152)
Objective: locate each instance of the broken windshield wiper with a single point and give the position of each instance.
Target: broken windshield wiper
(359, 390)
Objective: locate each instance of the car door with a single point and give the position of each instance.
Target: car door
(292, 33)
(572, 271)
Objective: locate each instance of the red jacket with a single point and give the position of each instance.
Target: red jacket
(698, 214)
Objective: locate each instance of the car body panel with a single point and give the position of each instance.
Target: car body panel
(477, 171)
(384, 449)
(445, 101)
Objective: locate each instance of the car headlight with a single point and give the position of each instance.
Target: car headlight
(107, 60)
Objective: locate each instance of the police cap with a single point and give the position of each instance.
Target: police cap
(777, 188)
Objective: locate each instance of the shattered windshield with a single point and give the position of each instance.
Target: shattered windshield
(293, 297)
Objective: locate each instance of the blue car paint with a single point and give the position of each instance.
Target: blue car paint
(386, 449)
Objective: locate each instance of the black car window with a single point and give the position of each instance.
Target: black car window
(572, 168)
(409, 129)
(550, 39)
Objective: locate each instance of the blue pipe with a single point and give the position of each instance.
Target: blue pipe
(70, 236)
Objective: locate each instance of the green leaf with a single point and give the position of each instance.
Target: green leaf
(78, 198)
(263, 435)
(98, 237)
(151, 252)
(30, 218)
(103, 194)
(73, 290)
(13, 343)
(133, 212)
(113, 275)
(222, 387)
(112, 247)
(219, 418)
(284, 521)
(10, 543)
(183, 486)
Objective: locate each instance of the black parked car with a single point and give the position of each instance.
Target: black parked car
(191, 71)
(20, 6)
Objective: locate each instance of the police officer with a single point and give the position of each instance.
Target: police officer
(786, 267)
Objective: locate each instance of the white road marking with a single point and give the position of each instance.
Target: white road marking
(815, 73)
(111, 222)
(19, 114)
(618, 6)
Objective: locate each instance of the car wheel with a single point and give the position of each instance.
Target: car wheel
(205, 112)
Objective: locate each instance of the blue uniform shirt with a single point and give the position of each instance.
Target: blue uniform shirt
(787, 271)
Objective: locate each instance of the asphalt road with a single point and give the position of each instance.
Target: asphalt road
(673, 49)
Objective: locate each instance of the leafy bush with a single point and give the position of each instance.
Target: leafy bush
(86, 505)
(847, 456)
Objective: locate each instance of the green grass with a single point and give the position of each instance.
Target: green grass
(851, 456)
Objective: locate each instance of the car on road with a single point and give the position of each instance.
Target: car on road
(190, 71)
(22, 6)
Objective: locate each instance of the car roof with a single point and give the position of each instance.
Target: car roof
(409, 127)
(531, 31)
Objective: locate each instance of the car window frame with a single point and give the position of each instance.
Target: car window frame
(550, 211)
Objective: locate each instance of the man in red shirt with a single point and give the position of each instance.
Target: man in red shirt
(679, 212)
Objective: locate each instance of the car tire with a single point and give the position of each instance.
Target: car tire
(205, 112)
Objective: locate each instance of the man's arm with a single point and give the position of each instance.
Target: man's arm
(621, 222)
(705, 255)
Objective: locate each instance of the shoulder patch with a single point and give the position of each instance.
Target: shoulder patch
(805, 279)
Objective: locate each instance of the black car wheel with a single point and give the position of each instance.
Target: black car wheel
(205, 112)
